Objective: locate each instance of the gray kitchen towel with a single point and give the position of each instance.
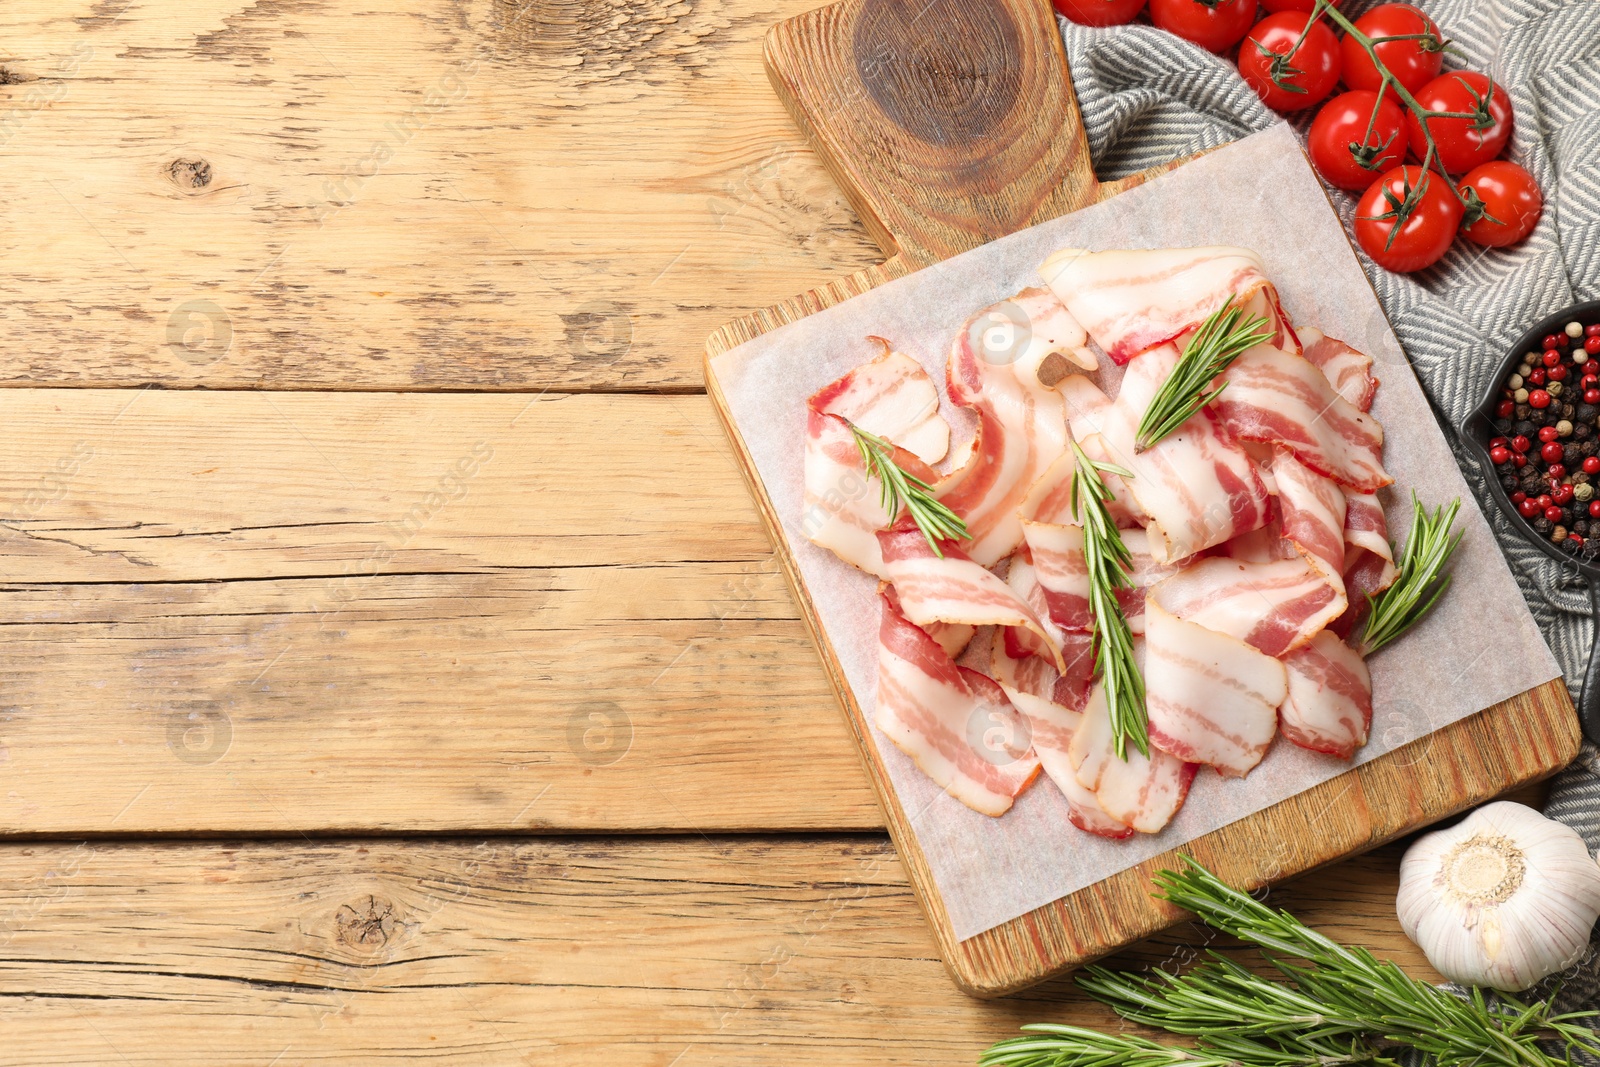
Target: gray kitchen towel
(1148, 97)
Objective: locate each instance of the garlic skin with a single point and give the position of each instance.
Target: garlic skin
(1501, 899)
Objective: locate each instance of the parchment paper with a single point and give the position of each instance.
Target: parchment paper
(1478, 647)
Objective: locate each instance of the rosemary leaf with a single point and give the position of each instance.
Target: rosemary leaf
(1107, 559)
(1223, 337)
(907, 491)
(1419, 581)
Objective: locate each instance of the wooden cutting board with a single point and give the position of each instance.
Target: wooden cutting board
(950, 123)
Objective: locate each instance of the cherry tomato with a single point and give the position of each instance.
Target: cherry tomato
(1510, 199)
(1216, 25)
(1462, 143)
(1099, 12)
(1345, 153)
(1275, 6)
(1286, 77)
(1432, 214)
(1413, 63)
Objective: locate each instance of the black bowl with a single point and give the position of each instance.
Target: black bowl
(1476, 433)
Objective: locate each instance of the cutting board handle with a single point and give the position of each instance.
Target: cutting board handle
(947, 122)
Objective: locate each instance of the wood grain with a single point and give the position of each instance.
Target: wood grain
(919, 111)
(398, 612)
(427, 194)
(683, 952)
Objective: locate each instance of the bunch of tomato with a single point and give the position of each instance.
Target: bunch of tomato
(1396, 103)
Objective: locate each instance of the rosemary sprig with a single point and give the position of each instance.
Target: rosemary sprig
(1222, 338)
(1107, 559)
(903, 490)
(1419, 581)
(1340, 1006)
(1348, 986)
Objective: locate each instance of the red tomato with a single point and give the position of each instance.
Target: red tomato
(1432, 214)
(1345, 152)
(1286, 77)
(1275, 6)
(1510, 203)
(1099, 12)
(1413, 63)
(1217, 25)
(1463, 143)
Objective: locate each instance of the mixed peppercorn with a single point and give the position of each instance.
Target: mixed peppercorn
(1547, 452)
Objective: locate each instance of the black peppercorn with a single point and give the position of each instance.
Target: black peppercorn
(1581, 527)
(1526, 427)
(1502, 427)
(1588, 412)
(1581, 430)
(1567, 410)
(1510, 483)
(1523, 411)
(1542, 525)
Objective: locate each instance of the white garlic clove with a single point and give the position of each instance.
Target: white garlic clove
(1502, 899)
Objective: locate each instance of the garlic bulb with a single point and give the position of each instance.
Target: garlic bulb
(1501, 899)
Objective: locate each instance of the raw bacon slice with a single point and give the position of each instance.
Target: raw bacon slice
(1329, 708)
(1131, 301)
(1274, 607)
(995, 368)
(843, 506)
(1368, 561)
(1196, 485)
(1265, 303)
(954, 589)
(1053, 705)
(1313, 509)
(956, 725)
(1063, 575)
(1283, 399)
(1023, 580)
(1348, 371)
(894, 398)
(1212, 698)
(1143, 792)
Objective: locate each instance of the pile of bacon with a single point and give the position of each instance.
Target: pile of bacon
(1254, 531)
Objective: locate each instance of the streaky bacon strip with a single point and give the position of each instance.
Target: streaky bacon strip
(1283, 399)
(1023, 580)
(1142, 792)
(1313, 510)
(1212, 698)
(994, 369)
(954, 589)
(1347, 370)
(1329, 708)
(1368, 561)
(954, 723)
(893, 397)
(843, 509)
(1053, 705)
(1062, 574)
(1131, 301)
(1198, 486)
(1274, 607)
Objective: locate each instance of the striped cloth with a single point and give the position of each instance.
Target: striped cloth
(1148, 97)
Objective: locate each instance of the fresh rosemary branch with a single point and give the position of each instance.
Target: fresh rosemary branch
(1049, 1045)
(903, 490)
(1107, 559)
(1419, 581)
(1342, 988)
(1222, 338)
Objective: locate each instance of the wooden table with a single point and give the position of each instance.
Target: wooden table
(397, 669)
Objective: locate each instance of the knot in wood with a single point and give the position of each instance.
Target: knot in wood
(366, 925)
(189, 174)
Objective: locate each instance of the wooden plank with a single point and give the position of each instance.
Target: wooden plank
(691, 952)
(242, 612)
(949, 126)
(417, 195)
